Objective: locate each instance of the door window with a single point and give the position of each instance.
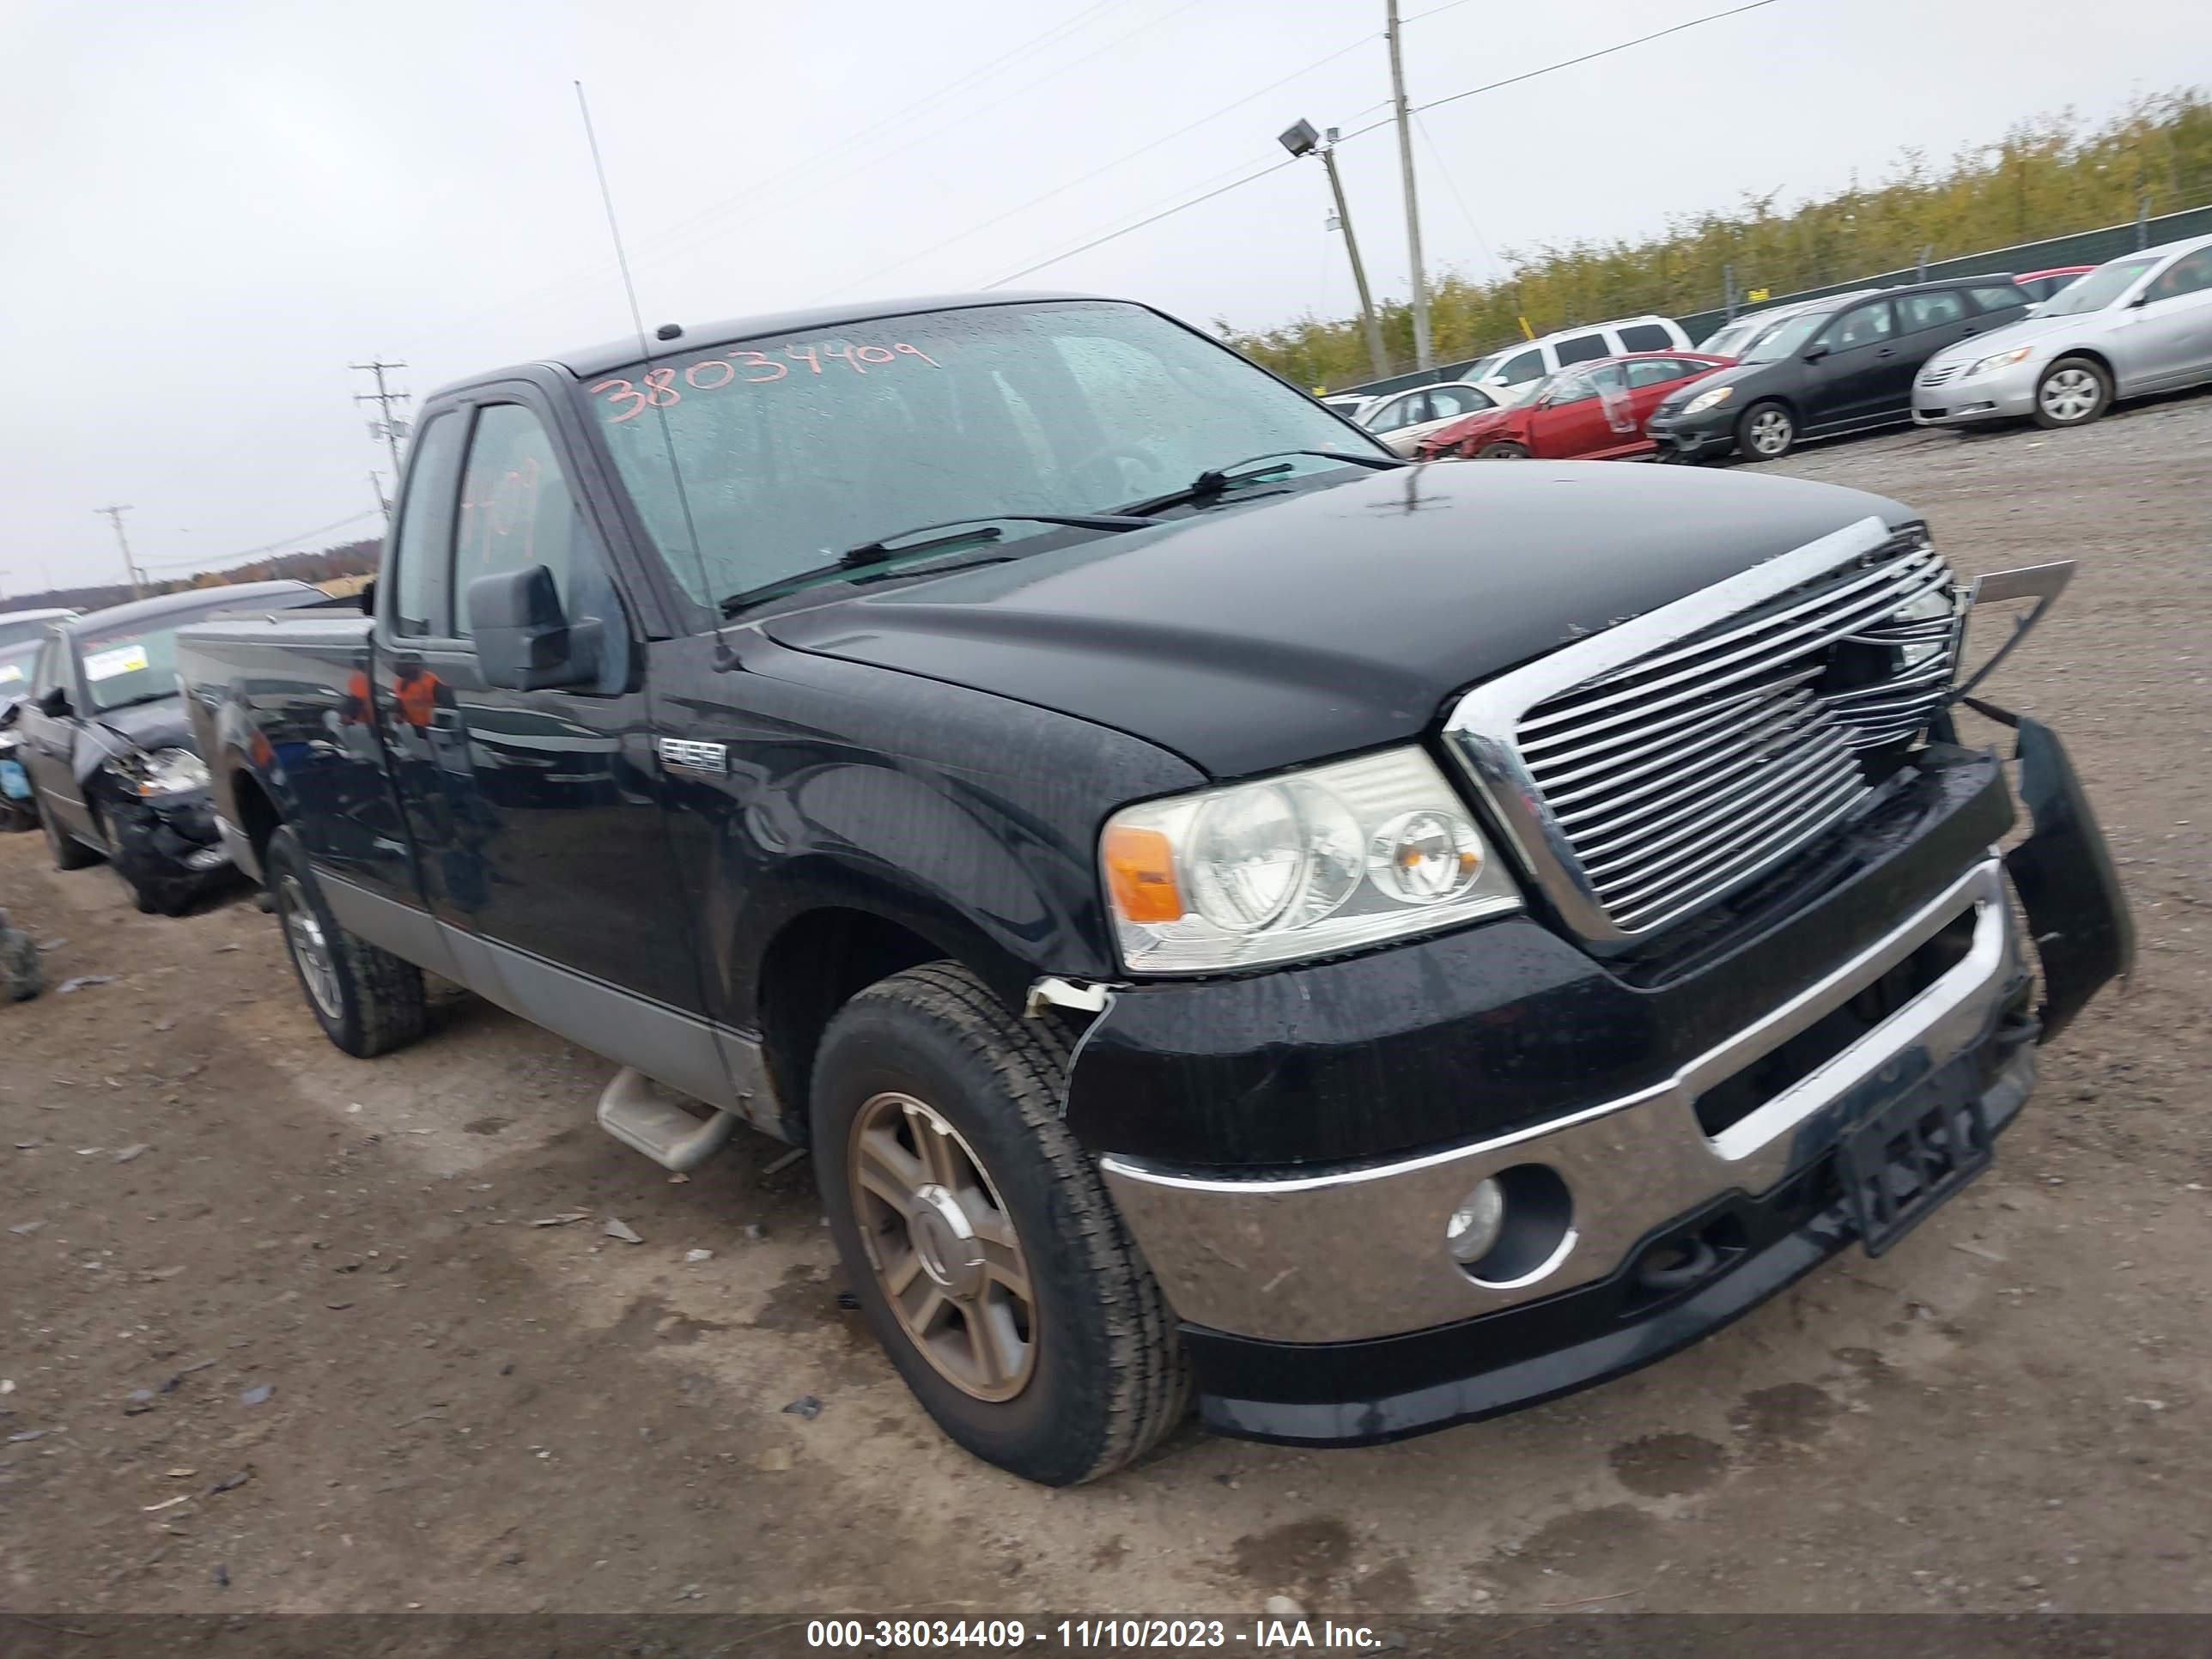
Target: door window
(1400, 412)
(1446, 403)
(1655, 370)
(516, 509)
(1861, 325)
(1644, 336)
(1584, 348)
(1924, 311)
(417, 565)
(2191, 274)
(48, 673)
(1519, 371)
(2007, 297)
(1574, 388)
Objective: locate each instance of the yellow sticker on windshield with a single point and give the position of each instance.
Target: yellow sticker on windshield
(107, 665)
(9, 671)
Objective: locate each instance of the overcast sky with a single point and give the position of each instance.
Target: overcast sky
(211, 209)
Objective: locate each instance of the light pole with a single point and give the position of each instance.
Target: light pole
(1423, 356)
(1302, 140)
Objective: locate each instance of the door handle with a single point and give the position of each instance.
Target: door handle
(1884, 352)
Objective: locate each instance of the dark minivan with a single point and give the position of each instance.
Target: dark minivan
(1828, 372)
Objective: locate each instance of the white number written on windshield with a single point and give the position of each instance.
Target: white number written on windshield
(658, 390)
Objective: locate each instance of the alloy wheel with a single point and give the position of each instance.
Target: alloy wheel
(943, 1247)
(311, 946)
(1769, 432)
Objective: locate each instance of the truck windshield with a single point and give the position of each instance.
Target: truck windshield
(789, 449)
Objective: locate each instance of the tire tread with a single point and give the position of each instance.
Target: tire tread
(1147, 1386)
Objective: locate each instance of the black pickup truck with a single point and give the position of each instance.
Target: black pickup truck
(1228, 911)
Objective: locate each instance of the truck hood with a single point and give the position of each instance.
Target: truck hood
(1285, 630)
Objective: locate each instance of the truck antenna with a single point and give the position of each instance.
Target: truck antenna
(725, 658)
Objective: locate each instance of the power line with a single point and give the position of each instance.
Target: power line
(1127, 229)
(1435, 152)
(227, 559)
(1061, 189)
(658, 244)
(1448, 5)
(1452, 98)
(1591, 56)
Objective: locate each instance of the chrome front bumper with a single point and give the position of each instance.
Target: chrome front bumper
(1355, 1253)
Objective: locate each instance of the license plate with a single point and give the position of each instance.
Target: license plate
(1901, 1164)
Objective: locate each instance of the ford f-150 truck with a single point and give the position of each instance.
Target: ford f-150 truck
(1228, 911)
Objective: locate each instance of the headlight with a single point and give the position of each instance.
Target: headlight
(1706, 400)
(1316, 862)
(2001, 360)
(164, 772)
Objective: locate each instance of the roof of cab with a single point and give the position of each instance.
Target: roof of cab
(614, 354)
(241, 594)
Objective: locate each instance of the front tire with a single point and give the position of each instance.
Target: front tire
(987, 1256)
(67, 852)
(1504, 450)
(368, 1001)
(1767, 432)
(2072, 392)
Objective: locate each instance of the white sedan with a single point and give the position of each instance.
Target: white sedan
(1404, 418)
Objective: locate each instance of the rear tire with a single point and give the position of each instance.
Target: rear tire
(67, 852)
(368, 1001)
(1081, 1372)
(1767, 432)
(2072, 392)
(1504, 450)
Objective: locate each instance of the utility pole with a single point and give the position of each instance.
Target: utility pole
(1425, 356)
(130, 565)
(385, 426)
(383, 501)
(1302, 140)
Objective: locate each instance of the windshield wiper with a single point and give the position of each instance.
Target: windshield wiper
(1219, 480)
(884, 549)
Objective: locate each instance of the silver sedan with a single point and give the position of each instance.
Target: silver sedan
(2139, 323)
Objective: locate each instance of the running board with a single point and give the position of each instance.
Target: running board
(671, 1137)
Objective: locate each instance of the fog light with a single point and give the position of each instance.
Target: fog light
(1473, 1226)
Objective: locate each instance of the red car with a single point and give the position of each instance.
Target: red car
(1592, 411)
(2040, 285)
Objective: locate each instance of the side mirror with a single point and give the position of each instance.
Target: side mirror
(55, 704)
(2142, 299)
(524, 641)
(1813, 354)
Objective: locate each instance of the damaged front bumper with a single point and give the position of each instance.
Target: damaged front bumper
(167, 847)
(1320, 1303)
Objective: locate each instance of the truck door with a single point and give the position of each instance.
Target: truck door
(537, 814)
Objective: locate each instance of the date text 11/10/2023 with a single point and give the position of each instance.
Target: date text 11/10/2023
(1011, 1635)
(658, 388)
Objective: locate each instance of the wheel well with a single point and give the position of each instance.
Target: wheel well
(256, 814)
(2094, 356)
(817, 963)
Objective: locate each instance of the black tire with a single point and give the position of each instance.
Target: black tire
(2072, 391)
(1766, 432)
(1504, 450)
(1108, 1377)
(377, 997)
(67, 852)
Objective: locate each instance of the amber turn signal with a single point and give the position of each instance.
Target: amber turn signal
(1140, 874)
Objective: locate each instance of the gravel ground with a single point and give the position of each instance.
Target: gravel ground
(282, 1333)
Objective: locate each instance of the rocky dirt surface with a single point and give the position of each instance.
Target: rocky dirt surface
(280, 1330)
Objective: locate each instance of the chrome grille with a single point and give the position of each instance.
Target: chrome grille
(1934, 375)
(1645, 786)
